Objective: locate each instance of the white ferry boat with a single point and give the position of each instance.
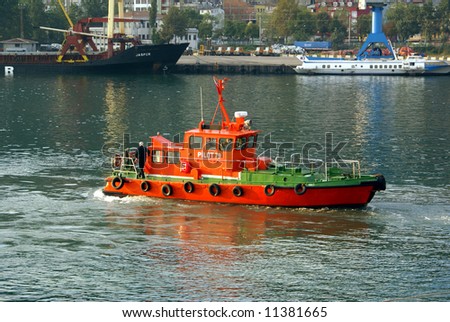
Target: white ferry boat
(412, 65)
(375, 57)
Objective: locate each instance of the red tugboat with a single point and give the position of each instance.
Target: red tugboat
(217, 162)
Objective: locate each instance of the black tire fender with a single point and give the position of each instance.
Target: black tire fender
(269, 190)
(117, 183)
(237, 191)
(214, 190)
(166, 190)
(188, 187)
(300, 189)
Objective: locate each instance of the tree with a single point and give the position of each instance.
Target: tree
(323, 23)
(252, 31)
(36, 17)
(234, 29)
(152, 12)
(205, 28)
(338, 31)
(284, 18)
(364, 25)
(9, 19)
(94, 8)
(305, 24)
(429, 23)
(174, 24)
(405, 19)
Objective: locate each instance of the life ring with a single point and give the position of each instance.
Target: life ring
(166, 190)
(300, 189)
(145, 186)
(237, 191)
(117, 183)
(269, 190)
(214, 189)
(189, 187)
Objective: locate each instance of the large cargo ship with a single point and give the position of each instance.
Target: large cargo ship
(80, 54)
(136, 59)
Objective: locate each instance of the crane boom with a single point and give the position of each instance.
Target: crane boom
(66, 14)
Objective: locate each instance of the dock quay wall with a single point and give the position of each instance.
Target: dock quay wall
(253, 65)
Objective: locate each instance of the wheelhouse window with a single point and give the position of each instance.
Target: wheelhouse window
(241, 143)
(211, 144)
(157, 156)
(225, 144)
(173, 157)
(251, 143)
(195, 142)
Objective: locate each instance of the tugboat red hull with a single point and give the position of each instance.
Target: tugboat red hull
(312, 197)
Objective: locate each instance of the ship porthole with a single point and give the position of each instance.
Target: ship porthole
(237, 191)
(300, 189)
(166, 190)
(214, 189)
(269, 190)
(189, 187)
(117, 183)
(145, 186)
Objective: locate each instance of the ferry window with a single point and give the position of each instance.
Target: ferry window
(157, 156)
(323, 66)
(195, 142)
(371, 66)
(240, 143)
(385, 66)
(400, 66)
(390, 66)
(225, 144)
(173, 157)
(211, 144)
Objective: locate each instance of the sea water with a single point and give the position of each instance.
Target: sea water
(61, 239)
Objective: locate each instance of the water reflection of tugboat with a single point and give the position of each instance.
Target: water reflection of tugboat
(217, 162)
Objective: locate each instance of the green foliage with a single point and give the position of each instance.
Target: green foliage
(364, 25)
(9, 19)
(94, 8)
(205, 27)
(174, 24)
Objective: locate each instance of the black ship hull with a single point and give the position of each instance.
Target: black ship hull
(137, 59)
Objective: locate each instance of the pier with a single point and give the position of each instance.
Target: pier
(252, 65)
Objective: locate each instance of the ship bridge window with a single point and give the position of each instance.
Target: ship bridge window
(251, 143)
(211, 144)
(195, 142)
(173, 157)
(240, 143)
(225, 144)
(157, 156)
